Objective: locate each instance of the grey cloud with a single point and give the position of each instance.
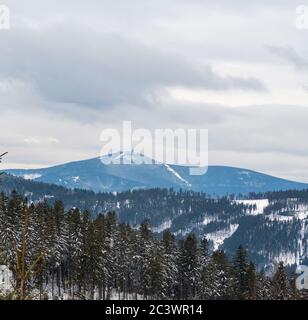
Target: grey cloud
(264, 129)
(290, 55)
(259, 129)
(72, 64)
(62, 76)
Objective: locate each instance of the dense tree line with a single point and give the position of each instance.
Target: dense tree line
(301, 195)
(58, 254)
(186, 209)
(186, 212)
(147, 201)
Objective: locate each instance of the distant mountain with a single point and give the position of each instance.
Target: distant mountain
(94, 175)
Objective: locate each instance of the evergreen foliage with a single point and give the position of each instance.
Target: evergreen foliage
(75, 255)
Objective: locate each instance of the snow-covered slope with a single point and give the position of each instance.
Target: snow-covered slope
(258, 205)
(218, 237)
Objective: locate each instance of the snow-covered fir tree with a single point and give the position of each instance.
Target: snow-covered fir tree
(80, 256)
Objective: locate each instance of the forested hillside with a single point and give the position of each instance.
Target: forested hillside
(57, 254)
(272, 227)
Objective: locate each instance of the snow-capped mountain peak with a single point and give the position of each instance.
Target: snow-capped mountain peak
(126, 157)
(129, 170)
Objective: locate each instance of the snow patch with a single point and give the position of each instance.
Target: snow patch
(76, 179)
(219, 237)
(208, 219)
(6, 278)
(260, 204)
(126, 157)
(244, 173)
(47, 196)
(288, 258)
(302, 215)
(298, 214)
(177, 175)
(278, 217)
(32, 176)
(164, 226)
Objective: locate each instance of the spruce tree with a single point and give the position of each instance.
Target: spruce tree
(77, 256)
(263, 287)
(158, 273)
(145, 255)
(241, 280)
(251, 282)
(171, 256)
(189, 268)
(222, 278)
(281, 286)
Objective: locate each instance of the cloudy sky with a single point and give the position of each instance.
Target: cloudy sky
(70, 69)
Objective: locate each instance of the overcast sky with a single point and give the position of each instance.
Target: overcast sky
(71, 68)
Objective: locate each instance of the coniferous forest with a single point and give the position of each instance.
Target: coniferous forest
(54, 254)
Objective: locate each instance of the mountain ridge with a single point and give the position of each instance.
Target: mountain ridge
(93, 174)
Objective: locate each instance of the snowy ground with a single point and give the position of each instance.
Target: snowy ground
(177, 175)
(220, 236)
(261, 204)
(6, 288)
(288, 258)
(164, 226)
(301, 214)
(31, 176)
(5, 279)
